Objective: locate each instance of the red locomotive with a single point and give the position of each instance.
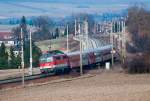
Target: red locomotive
(56, 61)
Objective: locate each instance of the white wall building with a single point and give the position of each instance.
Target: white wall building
(7, 39)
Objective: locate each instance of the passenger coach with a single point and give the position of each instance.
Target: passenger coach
(56, 61)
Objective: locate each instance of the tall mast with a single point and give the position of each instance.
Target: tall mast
(30, 69)
(67, 40)
(75, 27)
(22, 57)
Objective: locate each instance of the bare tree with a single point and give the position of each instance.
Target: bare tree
(45, 27)
(138, 27)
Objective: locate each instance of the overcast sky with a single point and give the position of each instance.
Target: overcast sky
(79, 1)
(62, 8)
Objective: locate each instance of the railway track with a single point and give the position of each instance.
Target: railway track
(19, 79)
(34, 79)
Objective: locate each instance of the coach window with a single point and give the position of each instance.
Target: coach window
(58, 58)
(96, 53)
(84, 57)
(64, 57)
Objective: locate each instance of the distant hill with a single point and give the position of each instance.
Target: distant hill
(97, 17)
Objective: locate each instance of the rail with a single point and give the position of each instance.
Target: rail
(19, 79)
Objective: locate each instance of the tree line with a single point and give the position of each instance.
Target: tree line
(47, 29)
(9, 59)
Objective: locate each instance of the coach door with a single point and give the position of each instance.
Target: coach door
(85, 59)
(98, 57)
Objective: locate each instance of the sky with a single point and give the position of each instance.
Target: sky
(62, 8)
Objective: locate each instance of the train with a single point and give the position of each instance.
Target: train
(58, 62)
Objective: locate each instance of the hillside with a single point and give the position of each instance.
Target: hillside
(58, 44)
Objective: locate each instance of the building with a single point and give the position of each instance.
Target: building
(5, 35)
(7, 38)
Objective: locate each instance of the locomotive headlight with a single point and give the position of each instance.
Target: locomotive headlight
(113, 52)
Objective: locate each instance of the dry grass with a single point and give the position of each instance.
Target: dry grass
(105, 86)
(58, 44)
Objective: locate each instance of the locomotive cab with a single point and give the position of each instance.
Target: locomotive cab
(54, 61)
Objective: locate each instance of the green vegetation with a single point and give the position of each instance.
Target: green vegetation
(56, 33)
(3, 57)
(10, 61)
(15, 61)
(36, 53)
(55, 43)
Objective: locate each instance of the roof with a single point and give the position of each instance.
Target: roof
(91, 50)
(51, 53)
(5, 36)
(55, 52)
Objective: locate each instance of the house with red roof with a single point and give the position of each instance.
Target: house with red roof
(7, 38)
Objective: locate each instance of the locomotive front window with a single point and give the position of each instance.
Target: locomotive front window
(42, 60)
(49, 59)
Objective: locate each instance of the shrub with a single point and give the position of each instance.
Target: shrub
(137, 65)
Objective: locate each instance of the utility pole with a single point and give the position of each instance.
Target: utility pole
(81, 66)
(67, 40)
(86, 31)
(124, 38)
(123, 42)
(112, 42)
(112, 51)
(50, 45)
(118, 26)
(30, 68)
(75, 27)
(22, 57)
(79, 30)
(112, 26)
